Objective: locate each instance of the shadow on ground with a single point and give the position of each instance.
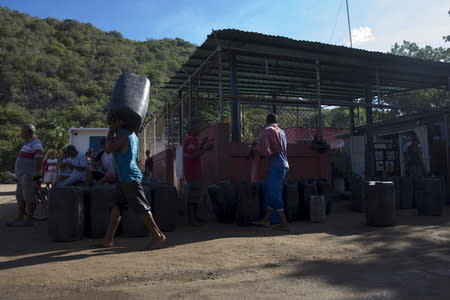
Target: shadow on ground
(423, 257)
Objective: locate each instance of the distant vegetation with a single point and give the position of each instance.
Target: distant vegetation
(60, 74)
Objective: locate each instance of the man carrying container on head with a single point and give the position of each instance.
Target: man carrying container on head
(123, 143)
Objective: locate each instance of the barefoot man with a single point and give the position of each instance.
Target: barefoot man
(124, 146)
(272, 143)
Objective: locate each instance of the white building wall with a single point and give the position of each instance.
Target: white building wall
(79, 137)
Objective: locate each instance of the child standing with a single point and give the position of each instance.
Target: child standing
(50, 168)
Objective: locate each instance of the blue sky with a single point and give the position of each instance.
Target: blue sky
(376, 24)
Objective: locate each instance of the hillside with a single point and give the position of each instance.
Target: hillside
(59, 74)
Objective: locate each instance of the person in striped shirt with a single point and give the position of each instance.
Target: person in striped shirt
(27, 168)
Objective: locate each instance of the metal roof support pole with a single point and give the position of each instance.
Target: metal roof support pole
(446, 143)
(319, 103)
(352, 120)
(370, 150)
(171, 135)
(448, 88)
(235, 105)
(274, 106)
(219, 62)
(168, 121)
(196, 115)
(377, 75)
(181, 119)
(190, 99)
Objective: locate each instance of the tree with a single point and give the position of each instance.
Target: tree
(447, 38)
(419, 100)
(59, 72)
(413, 50)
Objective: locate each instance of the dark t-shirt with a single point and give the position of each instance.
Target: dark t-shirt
(148, 166)
(98, 156)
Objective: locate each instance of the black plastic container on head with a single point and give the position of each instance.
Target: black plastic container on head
(129, 100)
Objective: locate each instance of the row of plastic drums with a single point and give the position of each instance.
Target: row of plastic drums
(380, 197)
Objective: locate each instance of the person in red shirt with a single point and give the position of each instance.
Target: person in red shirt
(192, 151)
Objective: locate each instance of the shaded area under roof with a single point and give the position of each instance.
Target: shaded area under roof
(279, 67)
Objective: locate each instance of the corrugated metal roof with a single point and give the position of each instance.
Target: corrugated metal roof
(282, 67)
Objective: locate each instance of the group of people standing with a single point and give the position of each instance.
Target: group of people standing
(271, 144)
(117, 162)
(69, 168)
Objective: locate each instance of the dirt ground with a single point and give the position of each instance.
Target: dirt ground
(342, 258)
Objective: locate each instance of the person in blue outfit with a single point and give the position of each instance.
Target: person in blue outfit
(272, 143)
(124, 146)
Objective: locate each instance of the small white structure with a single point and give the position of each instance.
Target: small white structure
(85, 138)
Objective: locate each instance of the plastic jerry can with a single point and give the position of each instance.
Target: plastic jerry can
(164, 206)
(102, 200)
(290, 197)
(430, 196)
(306, 188)
(248, 205)
(317, 208)
(324, 189)
(129, 100)
(66, 213)
(222, 198)
(406, 192)
(358, 194)
(380, 203)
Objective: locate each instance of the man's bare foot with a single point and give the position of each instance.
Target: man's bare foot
(103, 244)
(261, 223)
(156, 242)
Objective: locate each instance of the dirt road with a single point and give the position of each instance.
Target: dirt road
(340, 259)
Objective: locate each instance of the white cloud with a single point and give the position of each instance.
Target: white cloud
(362, 35)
